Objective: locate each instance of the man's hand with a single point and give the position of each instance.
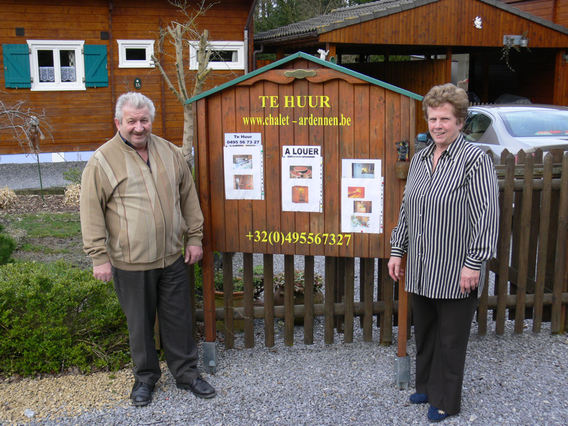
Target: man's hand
(396, 271)
(469, 280)
(193, 254)
(103, 272)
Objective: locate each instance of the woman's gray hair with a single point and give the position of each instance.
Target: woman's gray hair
(447, 93)
(135, 99)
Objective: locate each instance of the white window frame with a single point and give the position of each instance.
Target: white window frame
(236, 46)
(57, 45)
(148, 45)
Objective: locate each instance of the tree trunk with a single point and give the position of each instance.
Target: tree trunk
(187, 148)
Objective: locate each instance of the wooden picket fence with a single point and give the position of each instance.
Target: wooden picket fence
(529, 274)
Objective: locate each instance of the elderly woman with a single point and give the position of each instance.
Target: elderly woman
(448, 225)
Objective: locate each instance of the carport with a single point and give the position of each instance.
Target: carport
(494, 47)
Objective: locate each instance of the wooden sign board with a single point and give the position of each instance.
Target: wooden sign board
(300, 101)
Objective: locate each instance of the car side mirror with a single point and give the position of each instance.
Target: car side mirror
(422, 140)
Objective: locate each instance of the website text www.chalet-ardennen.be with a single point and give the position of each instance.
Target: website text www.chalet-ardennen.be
(285, 120)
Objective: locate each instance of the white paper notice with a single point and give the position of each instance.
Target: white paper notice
(244, 174)
(302, 179)
(361, 196)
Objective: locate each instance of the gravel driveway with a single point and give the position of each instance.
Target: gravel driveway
(509, 380)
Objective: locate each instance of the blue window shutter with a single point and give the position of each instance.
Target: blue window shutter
(95, 65)
(17, 66)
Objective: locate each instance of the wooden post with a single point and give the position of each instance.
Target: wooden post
(268, 300)
(330, 265)
(348, 300)
(208, 296)
(386, 285)
(402, 361)
(523, 252)
(289, 277)
(368, 279)
(543, 243)
(504, 245)
(402, 315)
(332, 54)
(558, 311)
(309, 299)
(248, 300)
(449, 64)
(228, 301)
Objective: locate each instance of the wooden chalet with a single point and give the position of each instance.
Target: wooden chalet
(415, 44)
(73, 59)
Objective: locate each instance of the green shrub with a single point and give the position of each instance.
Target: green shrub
(7, 246)
(73, 175)
(54, 317)
(238, 281)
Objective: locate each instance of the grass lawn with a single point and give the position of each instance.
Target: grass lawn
(43, 224)
(47, 237)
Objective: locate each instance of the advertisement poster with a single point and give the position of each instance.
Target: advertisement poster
(361, 196)
(302, 179)
(244, 175)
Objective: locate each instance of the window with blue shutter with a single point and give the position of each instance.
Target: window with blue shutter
(96, 74)
(49, 68)
(16, 66)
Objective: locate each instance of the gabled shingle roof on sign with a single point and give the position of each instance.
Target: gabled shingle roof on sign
(302, 55)
(346, 16)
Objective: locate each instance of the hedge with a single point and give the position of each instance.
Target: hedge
(55, 317)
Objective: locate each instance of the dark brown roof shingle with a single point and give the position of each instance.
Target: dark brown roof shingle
(343, 17)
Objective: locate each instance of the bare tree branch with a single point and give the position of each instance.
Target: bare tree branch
(27, 126)
(179, 35)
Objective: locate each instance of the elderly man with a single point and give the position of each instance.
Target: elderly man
(138, 205)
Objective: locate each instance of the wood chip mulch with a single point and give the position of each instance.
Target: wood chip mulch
(35, 203)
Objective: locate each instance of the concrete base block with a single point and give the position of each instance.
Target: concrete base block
(210, 357)
(402, 372)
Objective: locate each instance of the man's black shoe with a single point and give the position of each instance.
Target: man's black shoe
(199, 387)
(141, 394)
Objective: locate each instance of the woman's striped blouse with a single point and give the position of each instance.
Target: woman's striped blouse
(448, 219)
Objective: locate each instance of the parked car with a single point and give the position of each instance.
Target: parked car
(516, 127)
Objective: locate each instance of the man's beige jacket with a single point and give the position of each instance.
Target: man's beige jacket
(134, 215)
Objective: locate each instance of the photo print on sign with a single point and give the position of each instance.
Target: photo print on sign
(361, 196)
(243, 166)
(302, 183)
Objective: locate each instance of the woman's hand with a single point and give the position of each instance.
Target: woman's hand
(396, 271)
(469, 279)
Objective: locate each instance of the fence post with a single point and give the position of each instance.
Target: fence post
(543, 242)
(524, 239)
(505, 243)
(560, 283)
(248, 300)
(289, 277)
(348, 299)
(309, 277)
(268, 261)
(329, 297)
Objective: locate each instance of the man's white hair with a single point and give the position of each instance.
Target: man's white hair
(135, 99)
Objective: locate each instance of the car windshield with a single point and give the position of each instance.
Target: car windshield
(536, 123)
